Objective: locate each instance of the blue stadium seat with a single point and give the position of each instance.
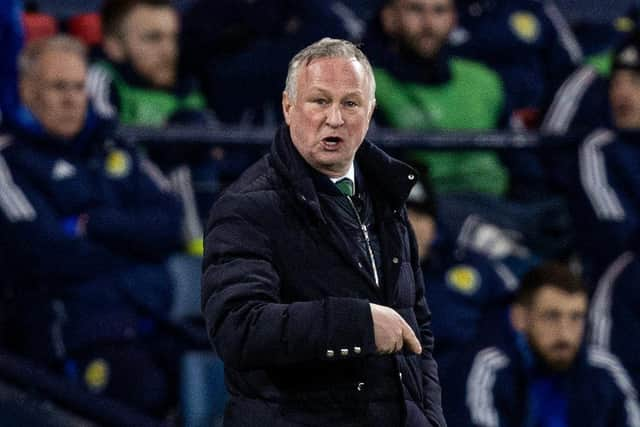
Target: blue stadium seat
(185, 271)
(202, 392)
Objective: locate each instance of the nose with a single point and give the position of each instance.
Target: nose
(334, 116)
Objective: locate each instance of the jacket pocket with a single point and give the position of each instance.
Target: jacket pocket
(411, 377)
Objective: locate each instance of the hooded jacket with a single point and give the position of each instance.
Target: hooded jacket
(286, 299)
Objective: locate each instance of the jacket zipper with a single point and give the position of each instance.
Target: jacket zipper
(365, 233)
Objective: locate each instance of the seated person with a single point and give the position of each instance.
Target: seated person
(87, 225)
(420, 86)
(527, 41)
(545, 376)
(606, 209)
(138, 82)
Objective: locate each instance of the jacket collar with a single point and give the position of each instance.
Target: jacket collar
(386, 177)
(90, 138)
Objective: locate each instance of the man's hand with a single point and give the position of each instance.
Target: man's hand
(391, 331)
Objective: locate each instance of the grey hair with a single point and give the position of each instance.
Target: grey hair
(31, 54)
(327, 48)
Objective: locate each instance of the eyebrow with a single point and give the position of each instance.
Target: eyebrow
(326, 92)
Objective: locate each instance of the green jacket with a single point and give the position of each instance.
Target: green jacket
(473, 99)
(143, 105)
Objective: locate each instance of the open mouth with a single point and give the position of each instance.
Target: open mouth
(332, 141)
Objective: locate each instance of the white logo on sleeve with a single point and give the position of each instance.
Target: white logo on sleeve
(62, 170)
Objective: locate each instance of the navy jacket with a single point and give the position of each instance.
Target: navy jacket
(606, 209)
(596, 390)
(286, 300)
(96, 285)
(614, 314)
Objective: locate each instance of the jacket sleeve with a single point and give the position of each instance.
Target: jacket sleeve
(563, 52)
(626, 409)
(102, 91)
(150, 223)
(33, 235)
(246, 320)
(608, 175)
(484, 385)
(431, 383)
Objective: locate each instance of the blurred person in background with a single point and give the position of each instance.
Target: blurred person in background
(138, 82)
(87, 227)
(604, 170)
(420, 86)
(546, 376)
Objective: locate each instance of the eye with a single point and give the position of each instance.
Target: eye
(320, 101)
(351, 104)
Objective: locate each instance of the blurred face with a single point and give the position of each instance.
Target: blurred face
(424, 228)
(624, 96)
(421, 26)
(149, 41)
(330, 115)
(554, 325)
(55, 93)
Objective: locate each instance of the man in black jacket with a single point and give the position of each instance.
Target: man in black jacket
(312, 292)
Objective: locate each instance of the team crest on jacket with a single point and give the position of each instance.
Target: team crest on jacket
(525, 26)
(96, 375)
(624, 24)
(118, 164)
(463, 278)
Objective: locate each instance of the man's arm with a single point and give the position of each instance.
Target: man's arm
(607, 177)
(150, 224)
(246, 320)
(480, 388)
(36, 237)
(626, 410)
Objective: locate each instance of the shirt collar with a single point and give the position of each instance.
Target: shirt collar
(351, 174)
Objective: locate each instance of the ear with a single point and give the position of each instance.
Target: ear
(518, 317)
(389, 20)
(114, 48)
(286, 107)
(372, 109)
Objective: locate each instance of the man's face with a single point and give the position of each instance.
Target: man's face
(55, 93)
(330, 115)
(421, 26)
(624, 95)
(424, 228)
(554, 325)
(149, 41)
